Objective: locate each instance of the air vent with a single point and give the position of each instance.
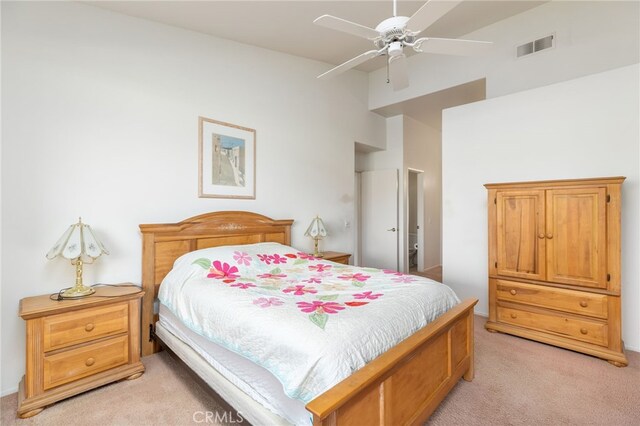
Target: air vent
(535, 46)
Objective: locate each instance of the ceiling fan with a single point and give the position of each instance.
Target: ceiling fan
(392, 35)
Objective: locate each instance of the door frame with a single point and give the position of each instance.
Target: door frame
(419, 218)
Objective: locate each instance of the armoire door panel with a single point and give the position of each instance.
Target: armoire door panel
(576, 236)
(521, 242)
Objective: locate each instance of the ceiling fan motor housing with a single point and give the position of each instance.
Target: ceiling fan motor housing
(392, 30)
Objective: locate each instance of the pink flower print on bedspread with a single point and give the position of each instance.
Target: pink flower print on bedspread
(355, 277)
(319, 310)
(223, 271)
(313, 280)
(319, 306)
(277, 259)
(392, 272)
(242, 258)
(243, 286)
(272, 276)
(306, 256)
(265, 302)
(319, 268)
(300, 290)
(367, 295)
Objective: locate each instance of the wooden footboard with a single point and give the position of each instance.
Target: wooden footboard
(405, 384)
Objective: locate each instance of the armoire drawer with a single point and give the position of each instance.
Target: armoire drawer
(583, 329)
(577, 302)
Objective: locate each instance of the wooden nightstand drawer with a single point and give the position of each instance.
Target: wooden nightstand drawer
(577, 302)
(73, 364)
(334, 256)
(582, 329)
(68, 329)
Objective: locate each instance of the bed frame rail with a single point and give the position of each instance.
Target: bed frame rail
(405, 384)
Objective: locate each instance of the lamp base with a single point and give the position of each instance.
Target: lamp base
(77, 292)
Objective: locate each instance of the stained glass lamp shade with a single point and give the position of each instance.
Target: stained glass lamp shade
(80, 245)
(317, 231)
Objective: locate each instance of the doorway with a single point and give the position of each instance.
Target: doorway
(415, 222)
(379, 219)
(421, 149)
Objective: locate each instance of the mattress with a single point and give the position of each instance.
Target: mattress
(249, 377)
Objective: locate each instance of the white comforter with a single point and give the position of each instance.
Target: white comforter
(308, 321)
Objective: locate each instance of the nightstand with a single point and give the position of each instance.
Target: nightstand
(337, 257)
(75, 345)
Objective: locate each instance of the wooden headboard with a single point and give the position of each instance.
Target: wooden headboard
(163, 243)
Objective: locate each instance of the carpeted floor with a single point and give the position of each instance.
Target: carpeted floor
(518, 382)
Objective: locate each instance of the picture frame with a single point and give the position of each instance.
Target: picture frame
(226, 160)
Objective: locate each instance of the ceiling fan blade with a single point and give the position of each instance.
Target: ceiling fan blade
(453, 46)
(398, 74)
(429, 13)
(345, 26)
(351, 63)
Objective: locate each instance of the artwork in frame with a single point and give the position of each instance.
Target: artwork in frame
(227, 160)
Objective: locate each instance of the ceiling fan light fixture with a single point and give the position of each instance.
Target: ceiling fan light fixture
(395, 49)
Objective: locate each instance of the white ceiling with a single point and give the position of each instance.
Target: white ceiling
(428, 108)
(287, 26)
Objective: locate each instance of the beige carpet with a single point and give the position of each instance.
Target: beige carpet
(517, 382)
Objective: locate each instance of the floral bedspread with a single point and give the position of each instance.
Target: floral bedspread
(310, 322)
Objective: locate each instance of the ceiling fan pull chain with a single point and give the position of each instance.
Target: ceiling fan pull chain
(388, 81)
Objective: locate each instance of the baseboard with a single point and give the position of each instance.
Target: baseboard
(430, 268)
(9, 391)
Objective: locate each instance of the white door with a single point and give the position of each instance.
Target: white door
(379, 219)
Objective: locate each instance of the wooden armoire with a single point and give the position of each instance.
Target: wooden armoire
(554, 263)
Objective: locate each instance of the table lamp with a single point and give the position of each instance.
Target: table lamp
(79, 245)
(317, 231)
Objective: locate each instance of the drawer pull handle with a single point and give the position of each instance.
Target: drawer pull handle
(584, 330)
(514, 316)
(549, 236)
(512, 291)
(541, 236)
(584, 304)
(90, 362)
(89, 327)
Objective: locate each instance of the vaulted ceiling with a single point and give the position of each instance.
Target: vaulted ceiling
(287, 26)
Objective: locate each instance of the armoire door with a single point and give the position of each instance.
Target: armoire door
(576, 233)
(521, 240)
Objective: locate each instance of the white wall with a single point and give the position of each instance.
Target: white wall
(423, 151)
(100, 115)
(586, 127)
(591, 36)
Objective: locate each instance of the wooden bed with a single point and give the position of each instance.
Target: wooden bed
(402, 386)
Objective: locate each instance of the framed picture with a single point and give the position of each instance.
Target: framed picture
(227, 160)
